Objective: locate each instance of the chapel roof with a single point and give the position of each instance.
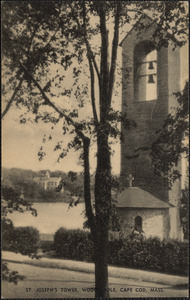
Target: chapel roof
(135, 197)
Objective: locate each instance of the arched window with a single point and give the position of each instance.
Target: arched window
(138, 224)
(145, 71)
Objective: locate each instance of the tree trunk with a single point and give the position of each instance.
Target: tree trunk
(102, 210)
(87, 193)
(101, 266)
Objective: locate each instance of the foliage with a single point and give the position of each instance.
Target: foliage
(6, 226)
(11, 201)
(24, 240)
(73, 244)
(171, 141)
(10, 276)
(167, 256)
(46, 246)
(184, 212)
(23, 181)
(6, 233)
(60, 37)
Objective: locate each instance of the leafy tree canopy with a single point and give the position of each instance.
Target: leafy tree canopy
(172, 140)
(59, 63)
(11, 201)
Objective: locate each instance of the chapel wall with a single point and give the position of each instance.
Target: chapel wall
(155, 221)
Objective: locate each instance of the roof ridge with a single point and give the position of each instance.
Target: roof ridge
(141, 17)
(139, 198)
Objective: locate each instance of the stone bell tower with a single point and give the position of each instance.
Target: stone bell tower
(149, 79)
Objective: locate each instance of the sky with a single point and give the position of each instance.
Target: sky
(21, 142)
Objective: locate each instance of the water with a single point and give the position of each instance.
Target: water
(51, 216)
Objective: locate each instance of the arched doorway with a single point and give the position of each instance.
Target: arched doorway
(138, 224)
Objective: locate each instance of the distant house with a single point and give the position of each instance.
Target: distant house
(49, 183)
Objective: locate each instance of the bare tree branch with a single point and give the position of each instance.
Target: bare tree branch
(95, 64)
(21, 80)
(89, 56)
(51, 104)
(86, 144)
(104, 73)
(87, 192)
(87, 46)
(114, 50)
(92, 90)
(12, 98)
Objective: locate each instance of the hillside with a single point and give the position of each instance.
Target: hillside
(24, 182)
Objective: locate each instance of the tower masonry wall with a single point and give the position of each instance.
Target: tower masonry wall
(149, 116)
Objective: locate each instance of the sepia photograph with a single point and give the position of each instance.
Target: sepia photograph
(95, 149)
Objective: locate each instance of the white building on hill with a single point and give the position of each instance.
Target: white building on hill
(49, 183)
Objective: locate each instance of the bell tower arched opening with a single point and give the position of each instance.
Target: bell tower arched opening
(145, 71)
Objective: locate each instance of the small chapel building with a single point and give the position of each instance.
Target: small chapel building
(143, 213)
(150, 77)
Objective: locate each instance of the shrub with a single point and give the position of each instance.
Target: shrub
(7, 234)
(46, 246)
(115, 246)
(175, 257)
(168, 256)
(73, 244)
(6, 225)
(25, 240)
